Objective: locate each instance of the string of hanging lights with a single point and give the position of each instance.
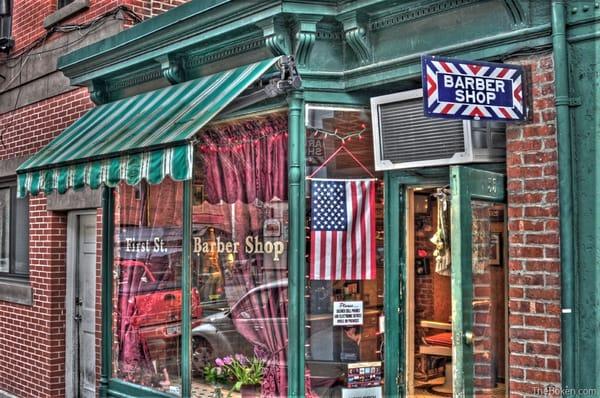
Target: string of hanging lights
(341, 136)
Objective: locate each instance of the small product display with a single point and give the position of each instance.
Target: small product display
(364, 374)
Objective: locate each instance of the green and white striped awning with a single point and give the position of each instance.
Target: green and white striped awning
(147, 136)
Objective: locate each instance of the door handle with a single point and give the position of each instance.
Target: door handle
(77, 318)
(469, 337)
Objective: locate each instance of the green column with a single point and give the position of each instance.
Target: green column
(565, 194)
(393, 288)
(186, 285)
(107, 265)
(296, 246)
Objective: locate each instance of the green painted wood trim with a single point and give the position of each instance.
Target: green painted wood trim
(296, 245)
(186, 285)
(466, 184)
(336, 97)
(106, 298)
(570, 347)
(393, 282)
(122, 389)
(116, 55)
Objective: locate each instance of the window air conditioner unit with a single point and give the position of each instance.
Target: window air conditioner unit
(405, 138)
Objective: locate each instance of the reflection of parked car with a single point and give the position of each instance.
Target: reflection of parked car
(153, 299)
(217, 336)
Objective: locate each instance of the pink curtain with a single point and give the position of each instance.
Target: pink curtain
(245, 166)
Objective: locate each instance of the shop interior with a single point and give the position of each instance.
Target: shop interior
(429, 340)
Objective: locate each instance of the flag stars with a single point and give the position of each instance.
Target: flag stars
(329, 206)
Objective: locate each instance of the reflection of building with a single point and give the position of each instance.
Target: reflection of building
(197, 103)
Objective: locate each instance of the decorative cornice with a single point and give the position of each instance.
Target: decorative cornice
(327, 35)
(171, 68)
(147, 76)
(196, 60)
(277, 37)
(305, 36)
(357, 36)
(417, 13)
(330, 31)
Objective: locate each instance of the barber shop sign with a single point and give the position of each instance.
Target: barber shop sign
(459, 89)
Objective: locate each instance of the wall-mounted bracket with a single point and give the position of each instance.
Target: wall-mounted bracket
(356, 34)
(289, 79)
(305, 36)
(277, 37)
(98, 92)
(171, 68)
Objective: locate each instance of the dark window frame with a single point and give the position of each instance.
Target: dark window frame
(6, 41)
(62, 3)
(12, 273)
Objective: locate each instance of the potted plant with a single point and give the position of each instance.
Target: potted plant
(245, 374)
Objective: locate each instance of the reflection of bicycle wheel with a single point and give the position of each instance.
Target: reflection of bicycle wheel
(202, 355)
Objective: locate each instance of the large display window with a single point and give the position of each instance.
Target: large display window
(147, 294)
(344, 282)
(239, 257)
(238, 268)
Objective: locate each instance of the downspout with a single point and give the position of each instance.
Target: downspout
(565, 186)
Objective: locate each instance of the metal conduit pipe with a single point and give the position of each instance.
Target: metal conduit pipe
(565, 186)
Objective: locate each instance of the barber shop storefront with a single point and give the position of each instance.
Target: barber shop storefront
(281, 217)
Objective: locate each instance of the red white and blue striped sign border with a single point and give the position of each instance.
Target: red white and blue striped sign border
(500, 95)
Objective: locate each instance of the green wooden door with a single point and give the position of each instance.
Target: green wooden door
(477, 216)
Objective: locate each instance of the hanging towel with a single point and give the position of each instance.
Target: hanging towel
(441, 238)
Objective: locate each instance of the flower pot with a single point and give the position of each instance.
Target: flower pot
(250, 391)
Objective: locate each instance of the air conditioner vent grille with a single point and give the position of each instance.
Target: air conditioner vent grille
(407, 135)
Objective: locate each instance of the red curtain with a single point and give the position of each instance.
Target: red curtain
(246, 162)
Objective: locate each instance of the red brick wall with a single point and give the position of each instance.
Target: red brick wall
(534, 262)
(149, 9)
(32, 338)
(29, 15)
(27, 129)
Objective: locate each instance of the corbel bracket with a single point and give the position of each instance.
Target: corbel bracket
(516, 11)
(305, 36)
(171, 68)
(356, 35)
(98, 92)
(277, 37)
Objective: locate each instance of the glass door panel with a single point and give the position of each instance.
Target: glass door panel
(488, 302)
(478, 282)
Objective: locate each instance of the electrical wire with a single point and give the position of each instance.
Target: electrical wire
(25, 54)
(132, 15)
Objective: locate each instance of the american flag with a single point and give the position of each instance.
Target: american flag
(342, 237)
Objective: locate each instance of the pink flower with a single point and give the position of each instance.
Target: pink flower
(228, 360)
(219, 362)
(241, 358)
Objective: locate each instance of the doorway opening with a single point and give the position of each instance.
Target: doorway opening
(80, 304)
(429, 280)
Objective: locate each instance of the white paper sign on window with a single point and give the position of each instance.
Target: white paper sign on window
(347, 313)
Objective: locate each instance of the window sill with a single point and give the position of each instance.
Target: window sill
(16, 291)
(65, 12)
